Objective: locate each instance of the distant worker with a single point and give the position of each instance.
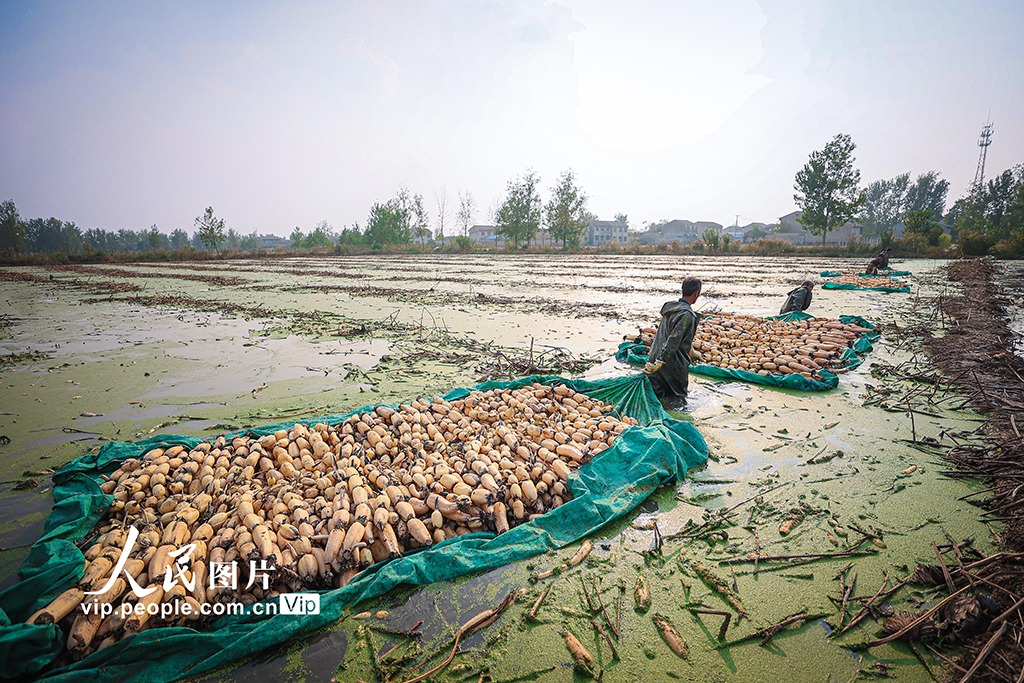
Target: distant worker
(883, 258)
(668, 364)
(872, 268)
(799, 299)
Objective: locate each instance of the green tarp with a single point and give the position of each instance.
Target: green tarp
(887, 290)
(635, 353)
(611, 485)
(881, 273)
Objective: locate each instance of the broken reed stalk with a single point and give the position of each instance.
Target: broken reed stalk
(850, 552)
(726, 618)
(604, 612)
(600, 629)
(536, 605)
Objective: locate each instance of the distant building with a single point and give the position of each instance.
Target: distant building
(678, 230)
(487, 235)
(791, 230)
(479, 233)
(599, 233)
(743, 233)
(274, 242)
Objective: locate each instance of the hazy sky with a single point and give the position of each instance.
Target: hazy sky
(125, 114)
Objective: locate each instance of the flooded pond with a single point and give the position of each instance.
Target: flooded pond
(252, 343)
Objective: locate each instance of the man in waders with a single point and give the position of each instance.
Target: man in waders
(799, 299)
(668, 367)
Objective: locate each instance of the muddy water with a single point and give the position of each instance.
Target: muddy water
(118, 370)
(1012, 281)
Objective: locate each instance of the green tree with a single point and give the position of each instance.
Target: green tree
(884, 202)
(250, 242)
(155, 238)
(922, 222)
(322, 237)
(419, 228)
(566, 213)
(518, 217)
(388, 224)
(210, 229)
(828, 187)
(928, 193)
(350, 236)
(622, 218)
(1015, 217)
(233, 239)
(885, 238)
(296, 238)
(179, 239)
(989, 215)
(12, 229)
(967, 221)
(712, 239)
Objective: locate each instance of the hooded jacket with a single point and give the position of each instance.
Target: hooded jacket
(797, 300)
(675, 333)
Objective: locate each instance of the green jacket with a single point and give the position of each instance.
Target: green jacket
(672, 345)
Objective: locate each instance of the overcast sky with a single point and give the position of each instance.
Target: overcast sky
(127, 114)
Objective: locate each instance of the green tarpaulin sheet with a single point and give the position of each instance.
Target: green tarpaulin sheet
(880, 273)
(635, 353)
(887, 290)
(661, 450)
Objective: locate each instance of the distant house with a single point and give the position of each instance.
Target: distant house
(791, 230)
(488, 236)
(479, 233)
(678, 230)
(789, 222)
(743, 233)
(599, 233)
(274, 242)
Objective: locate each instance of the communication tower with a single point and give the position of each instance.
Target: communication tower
(983, 142)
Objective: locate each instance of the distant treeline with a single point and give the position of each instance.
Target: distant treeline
(989, 219)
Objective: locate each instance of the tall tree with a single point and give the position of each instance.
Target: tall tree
(441, 199)
(884, 202)
(566, 213)
(350, 236)
(233, 239)
(419, 228)
(155, 239)
(179, 239)
(622, 218)
(923, 222)
(12, 229)
(388, 224)
(210, 229)
(928, 193)
(466, 212)
(828, 187)
(250, 242)
(518, 217)
(322, 236)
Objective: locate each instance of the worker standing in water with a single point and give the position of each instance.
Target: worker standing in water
(668, 365)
